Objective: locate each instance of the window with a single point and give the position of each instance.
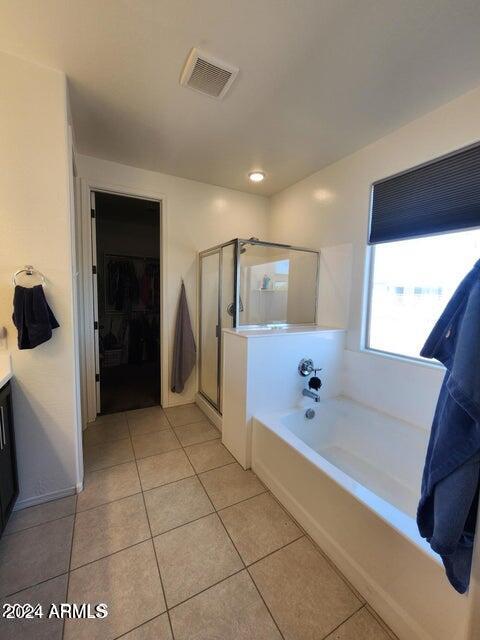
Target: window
(411, 282)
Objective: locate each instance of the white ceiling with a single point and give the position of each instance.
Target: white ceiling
(318, 78)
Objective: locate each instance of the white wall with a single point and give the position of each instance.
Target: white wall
(197, 216)
(265, 377)
(36, 229)
(331, 208)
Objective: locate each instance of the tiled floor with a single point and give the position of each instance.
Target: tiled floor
(179, 541)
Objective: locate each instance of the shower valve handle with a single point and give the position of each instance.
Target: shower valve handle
(306, 367)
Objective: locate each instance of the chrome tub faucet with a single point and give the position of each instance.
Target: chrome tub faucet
(311, 394)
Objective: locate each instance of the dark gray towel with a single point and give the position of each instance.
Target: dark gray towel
(32, 316)
(184, 349)
(447, 512)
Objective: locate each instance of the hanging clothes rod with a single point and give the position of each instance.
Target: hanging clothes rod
(29, 270)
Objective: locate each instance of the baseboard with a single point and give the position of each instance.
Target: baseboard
(209, 411)
(47, 497)
(378, 598)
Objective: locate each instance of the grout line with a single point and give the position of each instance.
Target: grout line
(117, 464)
(319, 549)
(199, 444)
(70, 561)
(334, 567)
(342, 623)
(234, 546)
(154, 550)
(248, 572)
(184, 524)
(139, 625)
(39, 524)
(238, 553)
(94, 445)
(36, 584)
(270, 553)
(165, 484)
(220, 466)
(245, 567)
(113, 553)
(215, 584)
(104, 504)
(148, 433)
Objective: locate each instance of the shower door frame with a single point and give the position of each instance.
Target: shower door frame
(237, 242)
(203, 254)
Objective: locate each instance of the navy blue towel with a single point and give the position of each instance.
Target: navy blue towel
(32, 316)
(448, 505)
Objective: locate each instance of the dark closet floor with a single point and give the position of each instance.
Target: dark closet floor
(130, 386)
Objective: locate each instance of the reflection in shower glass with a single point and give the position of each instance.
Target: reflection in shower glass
(277, 285)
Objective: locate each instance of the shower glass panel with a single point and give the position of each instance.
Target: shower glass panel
(245, 283)
(278, 285)
(209, 326)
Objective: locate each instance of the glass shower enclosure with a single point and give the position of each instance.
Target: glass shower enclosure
(250, 284)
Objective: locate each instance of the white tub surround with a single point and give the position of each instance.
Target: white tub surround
(260, 375)
(351, 476)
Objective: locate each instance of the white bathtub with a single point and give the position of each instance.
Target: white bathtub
(351, 476)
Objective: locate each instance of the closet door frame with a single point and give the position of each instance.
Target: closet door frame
(89, 312)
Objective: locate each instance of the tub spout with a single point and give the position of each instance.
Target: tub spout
(311, 394)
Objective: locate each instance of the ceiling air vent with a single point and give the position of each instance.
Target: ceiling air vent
(208, 75)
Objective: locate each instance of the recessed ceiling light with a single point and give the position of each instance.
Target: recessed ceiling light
(256, 176)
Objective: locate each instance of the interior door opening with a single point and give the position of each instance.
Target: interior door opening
(126, 259)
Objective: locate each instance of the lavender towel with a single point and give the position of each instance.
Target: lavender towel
(184, 349)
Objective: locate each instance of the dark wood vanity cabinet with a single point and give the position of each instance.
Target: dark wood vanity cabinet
(8, 463)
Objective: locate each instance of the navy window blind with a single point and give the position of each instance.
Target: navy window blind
(441, 196)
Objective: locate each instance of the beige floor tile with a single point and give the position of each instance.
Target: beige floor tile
(175, 504)
(184, 414)
(46, 593)
(165, 467)
(128, 582)
(208, 455)
(306, 596)
(259, 526)
(145, 411)
(108, 417)
(361, 626)
(109, 528)
(147, 420)
(108, 454)
(157, 629)
(149, 444)
(41, 513)
(194, 557)
(115, 428)
(231, 610)
(34, 555)
(230, 484)
(197, 432)
(107, 485)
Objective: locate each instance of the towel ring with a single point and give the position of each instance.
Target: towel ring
(30, 271)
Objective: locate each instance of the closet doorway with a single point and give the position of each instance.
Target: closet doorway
(126, 287)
